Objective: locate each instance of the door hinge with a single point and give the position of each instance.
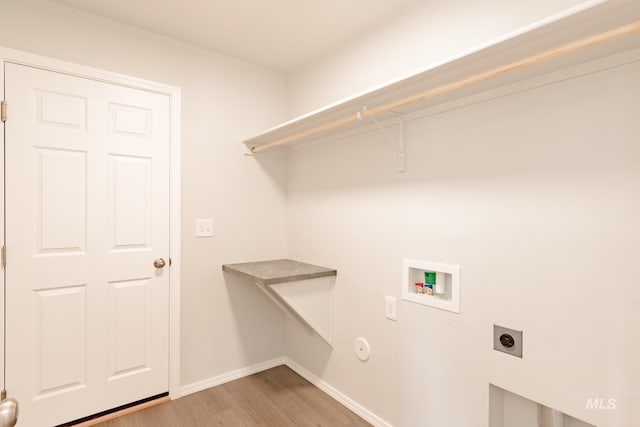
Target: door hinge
(4, 256)
(3, 111)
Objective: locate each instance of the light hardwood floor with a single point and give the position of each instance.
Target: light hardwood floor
(277, 397)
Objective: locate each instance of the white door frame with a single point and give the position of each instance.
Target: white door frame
(44, 63)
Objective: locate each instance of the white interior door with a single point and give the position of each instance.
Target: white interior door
(87, 213)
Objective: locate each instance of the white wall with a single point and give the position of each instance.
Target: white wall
(535, 196)
(411, 40)
(224, 100)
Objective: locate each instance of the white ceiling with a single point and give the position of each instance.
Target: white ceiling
(281, 34)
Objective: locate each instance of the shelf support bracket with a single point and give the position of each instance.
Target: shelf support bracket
(400, 144)
(401, 154)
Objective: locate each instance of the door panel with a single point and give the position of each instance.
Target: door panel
(129, 120)
(61, 343)
(130, 196)
(59, 109)
(129, 323)
(61, 201)
(87, 207)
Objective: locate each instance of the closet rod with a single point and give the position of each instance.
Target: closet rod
(529, 61)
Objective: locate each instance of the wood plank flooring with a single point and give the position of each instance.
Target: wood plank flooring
(277, 397)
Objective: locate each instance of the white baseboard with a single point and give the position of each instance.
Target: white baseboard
(230, 376)
(354, 406)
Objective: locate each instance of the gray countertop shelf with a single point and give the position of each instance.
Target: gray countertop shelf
(283, 281)
(278, 271)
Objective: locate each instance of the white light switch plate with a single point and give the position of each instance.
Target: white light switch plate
(204, 227)
(390, 304)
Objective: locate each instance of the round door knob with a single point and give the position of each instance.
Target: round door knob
(159, 263)
(8, 412)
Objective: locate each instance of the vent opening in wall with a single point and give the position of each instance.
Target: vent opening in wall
(507, 409)
(432, 284)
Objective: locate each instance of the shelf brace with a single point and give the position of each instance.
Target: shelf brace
(400, 145)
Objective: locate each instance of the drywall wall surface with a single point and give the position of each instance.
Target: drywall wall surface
(224, 327)
(535, 196)
(409, 41)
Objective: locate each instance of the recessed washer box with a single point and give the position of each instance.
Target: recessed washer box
(413, 271)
